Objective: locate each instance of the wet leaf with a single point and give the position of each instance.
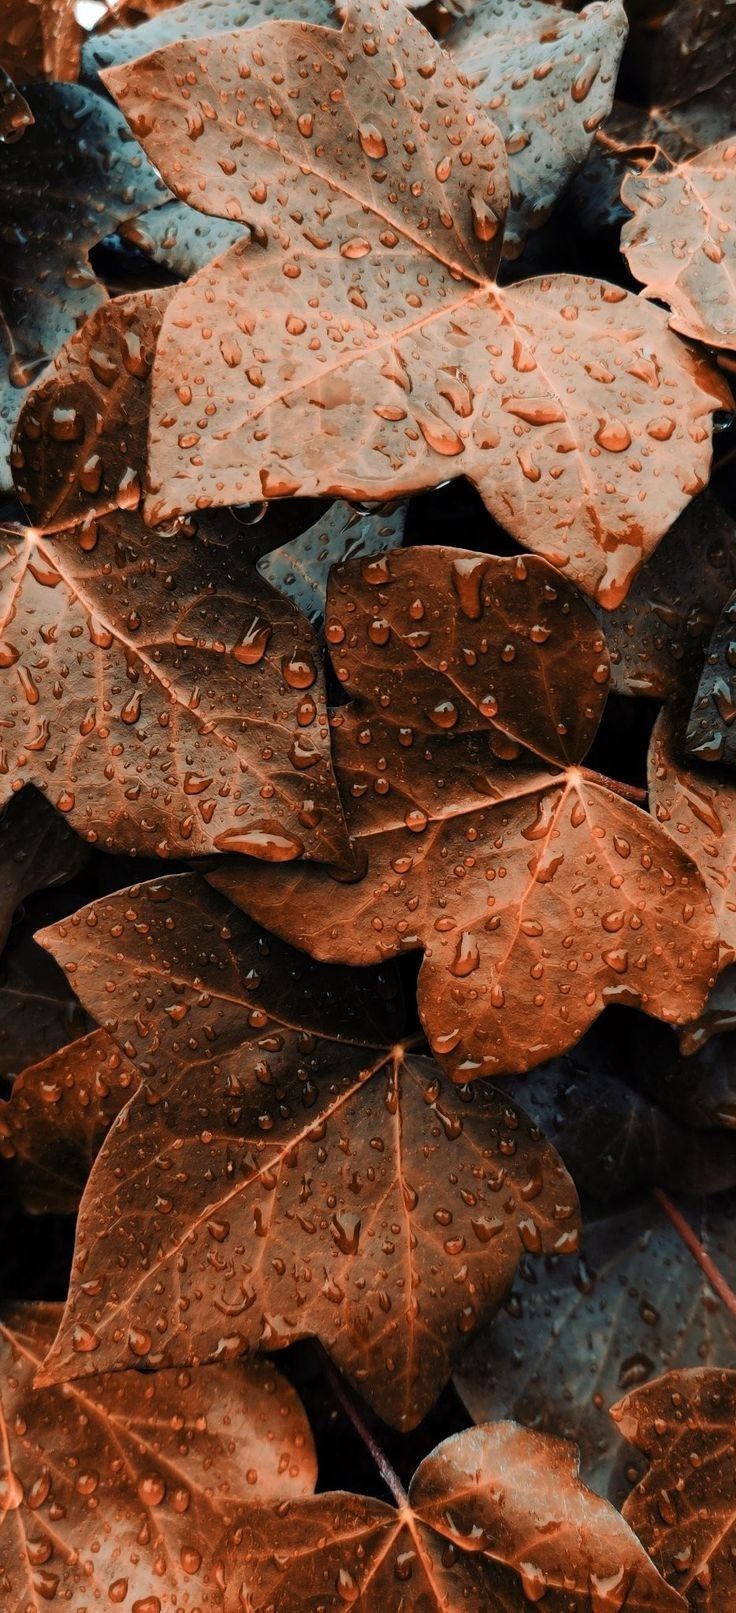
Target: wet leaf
(718, 1015)
(40, 39)
(696, 805)
(320, 1188)
(180, 238)
(58, 1116)
(682, 49)
(301, 568)
(37, 849)
(38, 1010)
(164, 698)
(547, 78)
(496, 870)
(708, 736)
(79, 156)
(119, 1488)
(575, 1334)
(684, 1508)
(192, 20)
(681, 242)
(585, 390)
(657, 637)
(15, 113)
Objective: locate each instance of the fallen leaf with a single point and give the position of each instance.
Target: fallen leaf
(180, 238)
(685, 1508)
(518, 1520)
(575, 1334)
(301, 568)
(192, 20)
(697, 807)
(437, 368)
(657, 636)
(193, 715)
(320, 1188)
(40, 39)
(79, 155)
(37, 849)
(119, 1488)
(681, 241)
(58, 1116)
(546, 77)
(709, 736)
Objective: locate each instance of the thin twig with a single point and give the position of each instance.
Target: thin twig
(345, 1400)
(692, 1242)
(630, 792)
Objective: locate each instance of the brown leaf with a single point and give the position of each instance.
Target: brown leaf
(79, 156)
(36, 850)
(682, 49)
(717, 1017)
(80, 442)
(40, 39)
(684, 1509)
(301, 568)
(58, 1116)
(319, 1188)
(493, 870)
(697, 807)
(547, 78)
(15, 113)
(579, 1333)
(192, 20)
(656, 638)
(681, 241)
(120, 1489)
(193, 715)
(414, 312)
(709, 737)
(520, 1525)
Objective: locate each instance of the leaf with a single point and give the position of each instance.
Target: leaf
(448, 640)
(301, 568)
(192, 20)
(681, 244)
(36, 850)
(547, 78)
(697, 807)
(460, 851)
(718, 1015)
(180, 238)
(167, 1459)
(320, 1188)
(164, 698)
(708, 736)
(657, 635)
(547, 396)
(58, 1116)
(519, 1523)
(684, 49)
(38, 1010)
(574, 1335)
(80, 441)
(79, 156)
(40, 39)
(15, 113)
(685, 1506)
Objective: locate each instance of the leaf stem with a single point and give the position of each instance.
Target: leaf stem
(630, 792)
(345, 1401)
(692, 1242)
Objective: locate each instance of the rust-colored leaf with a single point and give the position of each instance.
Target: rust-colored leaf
(40, 39)
(78, 154)
(697, 806)
(496, 1517)
(39, 1013)
(718, 1015)
(37, 849)
(709, 736)
(320, 1188)
(684, 1510)
(557, 398)
(546, 77)
(580, 1333)
(494, 870)
(300, 569)
(681, 241)
(162, 695)
(15, 113)
(113, 1495)
(58, 1116)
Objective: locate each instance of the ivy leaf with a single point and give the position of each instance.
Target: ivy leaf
(547, 78)
(555, 397)
(320, 1188)
(682, 50)
(519, 1522)
(300, 569)
(37, 849)
(180, 238)
(15, 113)
(681, 243)
(40, 39)
(574, 1335)
(684, 1508)
(38, 1010)
(163, 697)
(718, 1015)
(58, 1116)
(169, 1460)
(697, 807)
(709, 736)
(78, 154)
(192, 20)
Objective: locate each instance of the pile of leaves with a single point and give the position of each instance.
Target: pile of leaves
(368, 789)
